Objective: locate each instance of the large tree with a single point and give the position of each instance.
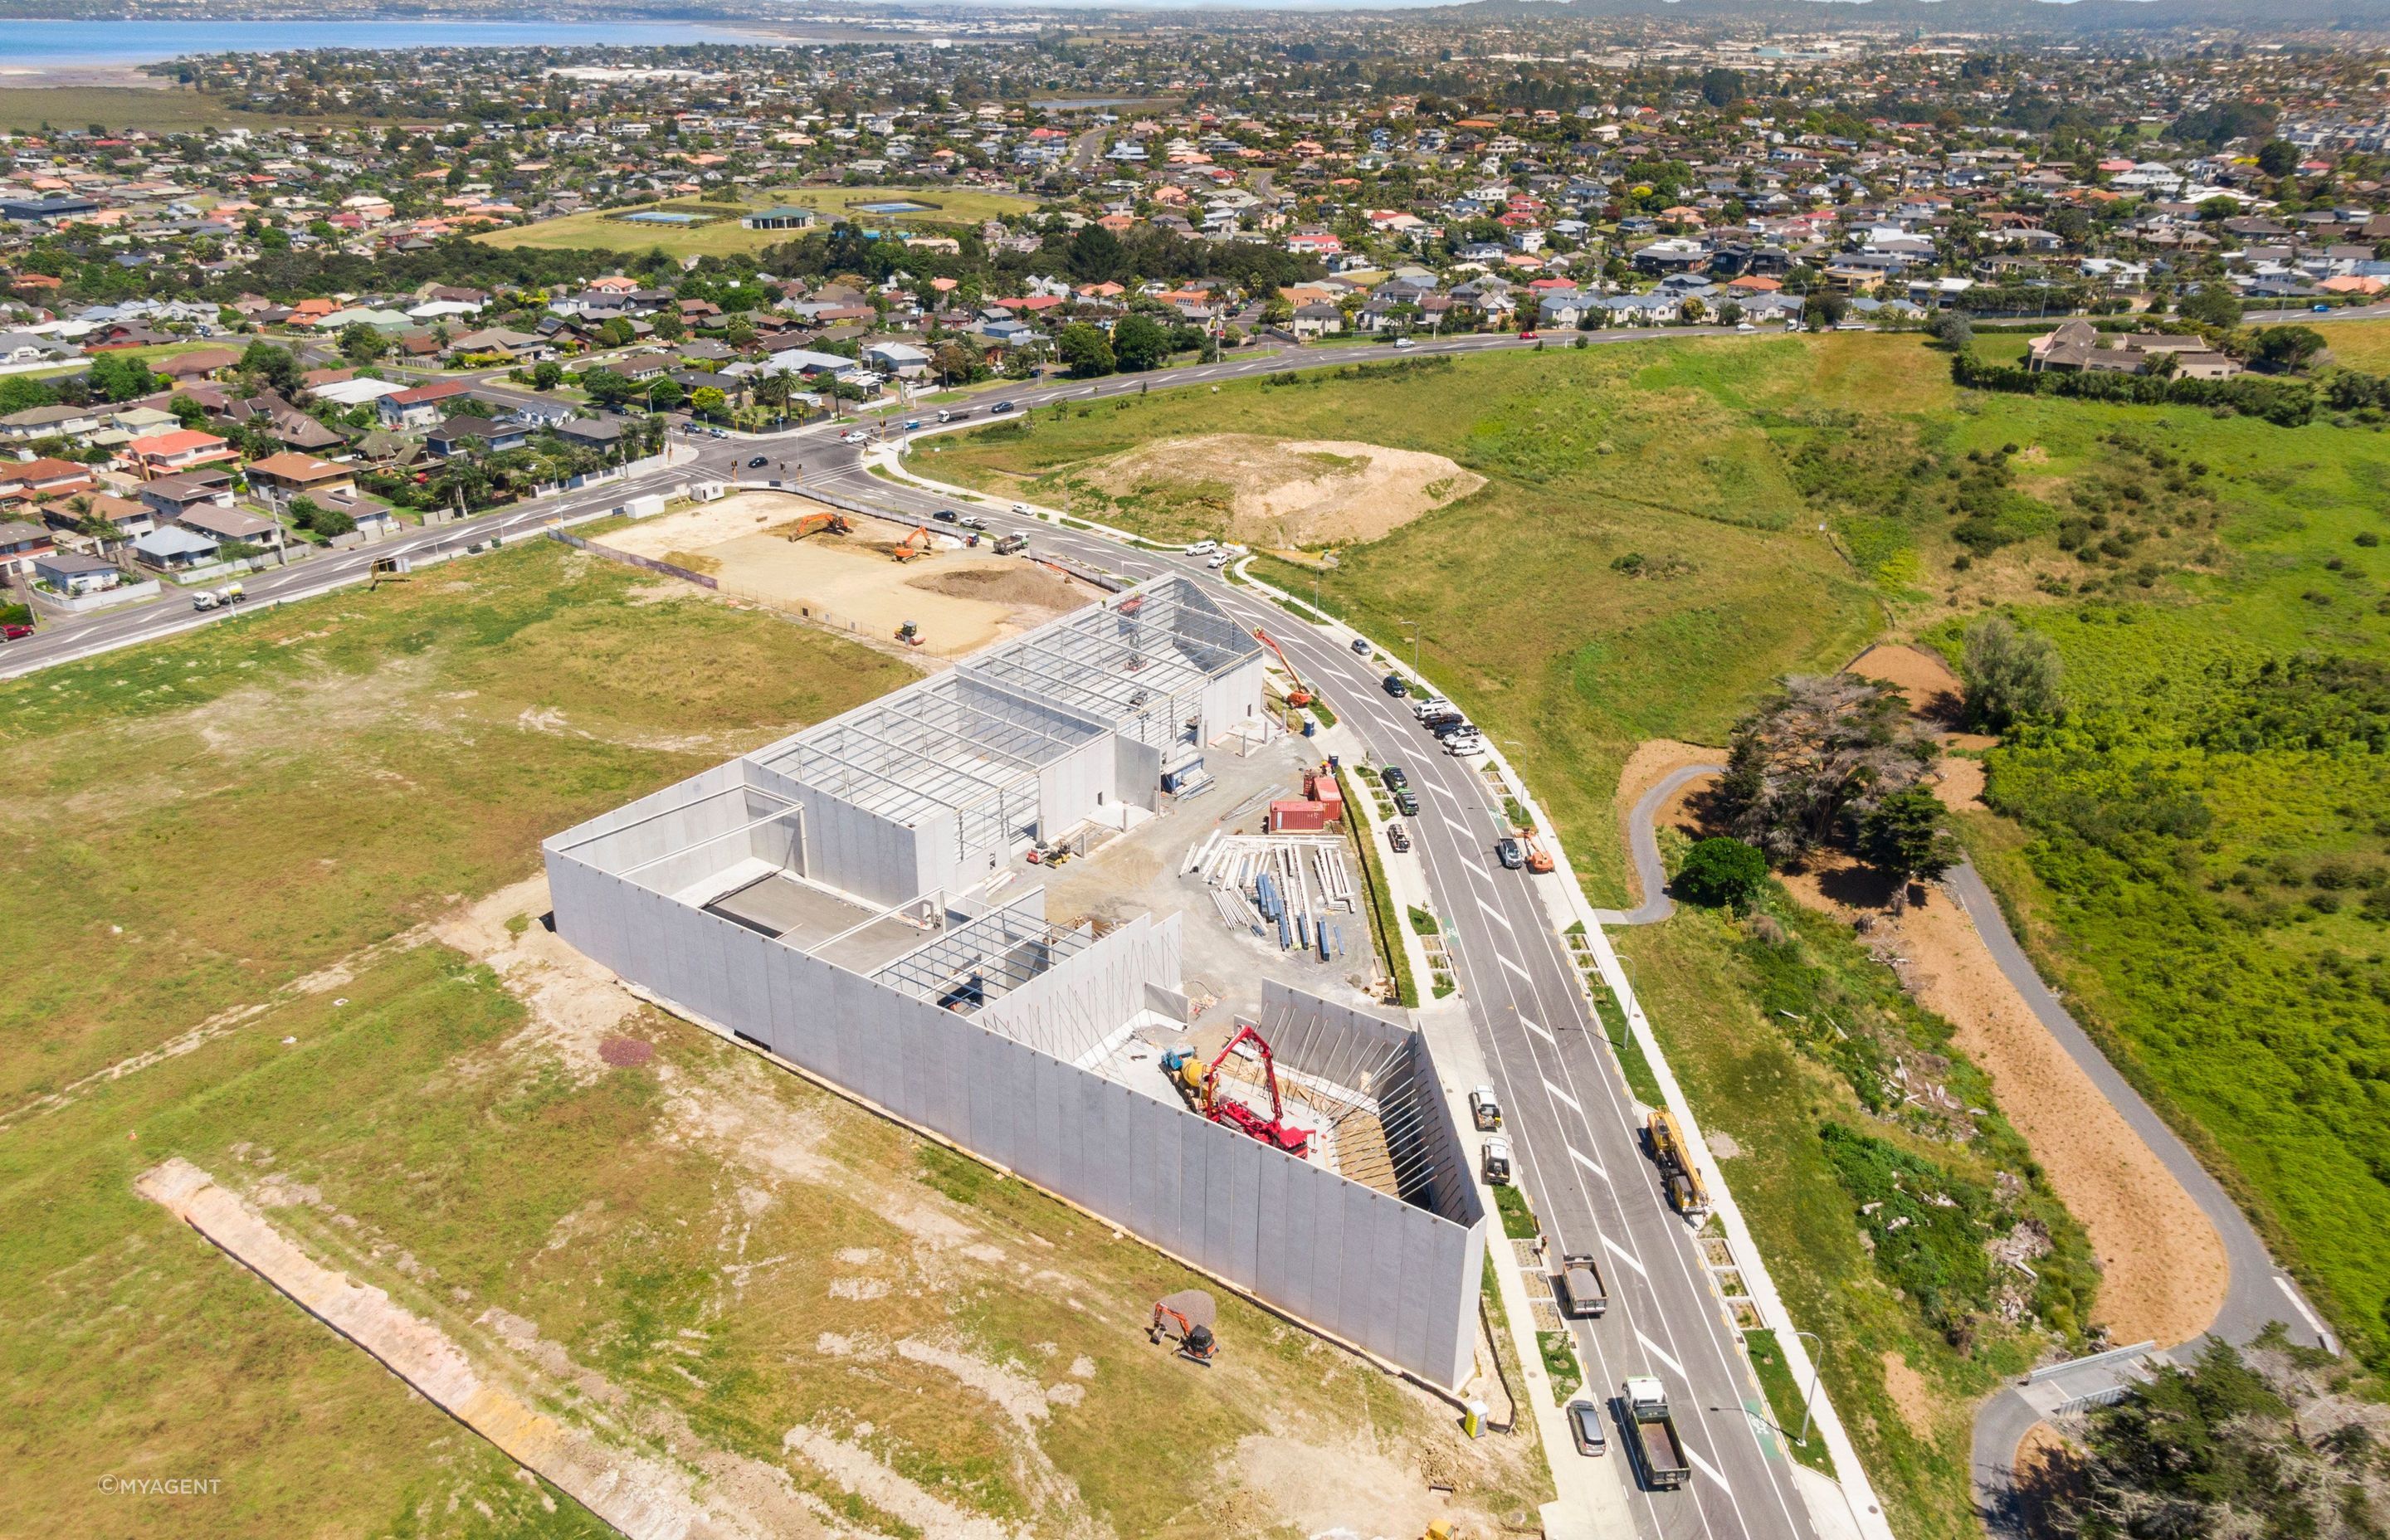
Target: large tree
(1817, 756)
(1140, 342)
(2011, 675)
(1908, 835)
(1084, 351)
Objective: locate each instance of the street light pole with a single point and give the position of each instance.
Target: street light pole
(1811, 1398)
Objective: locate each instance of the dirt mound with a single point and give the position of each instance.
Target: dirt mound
(1300, 492)
(1024, 587)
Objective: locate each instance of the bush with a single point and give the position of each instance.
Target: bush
(1721, 874)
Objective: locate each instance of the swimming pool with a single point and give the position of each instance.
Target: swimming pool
(657, 216)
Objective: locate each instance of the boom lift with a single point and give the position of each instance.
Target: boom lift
(1201, 1085)
(1299, 696)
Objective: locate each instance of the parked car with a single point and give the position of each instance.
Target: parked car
(1509, 855)
(1397, 686)
(999, 408)
(1496, 1162)
(1202, 547)
(1464, 745)
(1585, 1430)
(1219, 559)
(1744, 325)
(973, 522)
(1528, 335)
(947, 516)
(1023, 509)
(1398, 837)
(1430, 705)
(1407, 800)
(1395, 778)
(1361, 646)
(12, 631)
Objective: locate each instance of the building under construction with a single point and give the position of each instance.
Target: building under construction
(853, 899)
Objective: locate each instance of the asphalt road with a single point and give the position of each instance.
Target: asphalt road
(2259, 1293)
(1572, 1124)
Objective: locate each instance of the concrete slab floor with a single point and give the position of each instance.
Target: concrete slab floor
(1139, 873)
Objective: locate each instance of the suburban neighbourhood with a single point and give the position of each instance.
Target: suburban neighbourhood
(1581, 770)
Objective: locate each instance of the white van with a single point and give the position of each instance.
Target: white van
(1203, 547)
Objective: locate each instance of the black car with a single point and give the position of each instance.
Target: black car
(999, 408)
(1396, 685)
(1459, 726)
(1509, 855)
(1398, 837)
(945, 516)
(1407, 800)
(756, 461)
(1395, 778)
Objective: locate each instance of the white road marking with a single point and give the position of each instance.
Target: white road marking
(1622, 1255)
(2301, 1305)
(1455, 829)
(1581, 1158)
(1563, 1095)
(1657, 1352)
(1705, 1467)
(1497, 916)
(1532, 1026)
(1520, 972)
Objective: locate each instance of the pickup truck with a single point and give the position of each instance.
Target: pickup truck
(1582, 1294)
(1659, 1453)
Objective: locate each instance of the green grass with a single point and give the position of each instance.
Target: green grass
(1518, 1220)
(606, 230)
(171, 110)
(1559, 1362)
(1652, 447)
(1786, 1402)
(1423, 922)
(219, 815)
(1384, 931)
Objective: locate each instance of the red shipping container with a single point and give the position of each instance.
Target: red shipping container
(1296, 815)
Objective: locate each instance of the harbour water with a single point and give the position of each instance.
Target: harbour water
(33, 46)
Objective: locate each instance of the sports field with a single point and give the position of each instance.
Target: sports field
(721, 234)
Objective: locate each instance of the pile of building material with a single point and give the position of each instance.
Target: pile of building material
(1278, 885)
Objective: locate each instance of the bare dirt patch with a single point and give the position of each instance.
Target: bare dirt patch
(1911, 1395)
(961, 598)
(1357, 1489)
(1300, 492)
(1934, 692)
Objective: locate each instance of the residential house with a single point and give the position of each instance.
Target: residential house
(170, 547)
(183, 449)
(172, 496)
(290, 474)
(475, 435)
(421, 406)
(41, 422)
(47, 478)
(75, 573)
(22, 543)
(1317, 319)
(231, 523)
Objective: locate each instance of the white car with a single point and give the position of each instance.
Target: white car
(1405, 342)
(1020, 508)
(1203, 547)
(1219, 559)
(1744, 325)
(1430, 705)
(1463, 745)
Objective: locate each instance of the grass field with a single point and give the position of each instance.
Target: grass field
(607, 230)
(265, 832)
(28, 108)
(1590, 457)
(2200, 858)
(2358, 345)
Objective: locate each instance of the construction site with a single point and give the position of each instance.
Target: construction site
(937, 587)
(968, 905)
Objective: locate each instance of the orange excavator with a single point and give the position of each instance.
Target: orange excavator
(1184, 1319)
(1299, 696)
(817, 523)
(917, 543)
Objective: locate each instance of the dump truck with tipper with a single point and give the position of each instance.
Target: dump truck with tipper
(1659, 1453)
(1582, 1294)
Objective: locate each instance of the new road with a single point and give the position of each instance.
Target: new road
(1571, 1119)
